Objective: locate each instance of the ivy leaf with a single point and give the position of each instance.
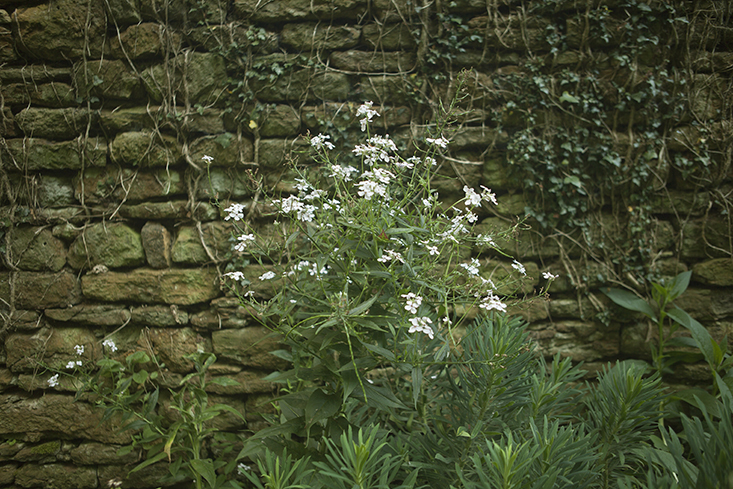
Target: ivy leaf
(566, 97)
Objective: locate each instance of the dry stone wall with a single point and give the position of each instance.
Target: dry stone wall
(107, 211)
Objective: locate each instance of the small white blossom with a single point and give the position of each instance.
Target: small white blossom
(238, 276)
(244, 240)
(408, 164)
(320, 142)
(422, 325)
(519, 267)
(549, 276)
(235, 212)
(73, 364)
(492, 302)
(365, 111)
(268, 275)
(412, 302)
(110, 345)
(473, 268)
(79, 349)
(53, 381)
(441, 141)
(430, 161)
(488, 195)
(389, 255)
(208, 159)
(342, 172)
(485, 240)
(433, 250)
(370, 188)
(242, 468)
(472, 198)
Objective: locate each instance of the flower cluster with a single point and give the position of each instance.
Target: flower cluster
(422, 325)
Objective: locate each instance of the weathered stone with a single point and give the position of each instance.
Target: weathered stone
(189, 245)
(8, 129)
(157, 244)
(107, 79)
(170, 210)
(113, 245)
(9, 448)
(53, 123)
(40, 154)
(159, 316)
(55, 191)
(373, 62)
(482, 137)
(299, 10)
(145, 148)
(227, 184)
(64, 29)
(39, 290)
(44, 453)
(21, 320)
(189, 12)
(571, 309)
(123, 12)
(7, 473)
(92, 453)
(684, 138)
(531, 311)
(681, 203)
(310, 35)
(181, 287)
(52, 347)
(497, 177)
(224, 313)
(705, 238)
(249, 346)
(275, 153)
(706, 304)
(302, 84)
(54, 94)
(199, 77)
(714, 272)
(226, 149)
(7, 50)
(390, 37)
(386, 89)
(578, 340)
(172, 345)
(141, 41)
(148, 477)
(132, 119)
(6, 381)
(90, 315)
(512, 205)
(37, 249)
(278, 121)
(56, 476)
(117, 184)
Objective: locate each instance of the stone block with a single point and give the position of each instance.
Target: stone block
(60, 30)
(40, 154)
(123, 12)
(159, 316)
(145, 149)
(174, 209)
(227, 150)
(41, 290)
(116, 184)
(112, 244)
(302, 84)
(141, 41)
(131, 119)
(54, 94)
(195, 77)
(278, 121)
(171, 345)
(373, 62)
(55, 191)
(718, 272)
(390, 37)
(247, 383)
(56, 476)
(188, 247)
(705, 238)
(107, 80)
(7, 46)
(275, 153)
(56, 124)
(157, 244)
(7, 473)
(90, 315)
(52, 347)
(309, 35)
(282, 11)
(248, 346)
(581, 341)
(93, 453)
(36, 249)
(386, 89)
(181, 287)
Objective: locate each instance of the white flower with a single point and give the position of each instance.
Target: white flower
(238, 276)
(422, 325)
(412, 302)
(549, 276)
(488, 195)
(519, 267)
(268, 275)
(244, 240)
(365, 111)
(242, 468)
(472, 198)
(342, 172)
(74, 364)
(79, 349)
(433, 250)
(389, 255)
(370, 188)
(235, 212)
(208, 159)
(492, 302)
(485, 240)
(409, 163)
(53, 381)
(320, 141)
(441, 141)
(376, 149)
(430, 161)
(472, 269)
(110, 344)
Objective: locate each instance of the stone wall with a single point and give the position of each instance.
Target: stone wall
(107, 210)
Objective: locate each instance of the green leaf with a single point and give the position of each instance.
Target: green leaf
(691, 396)
(156, 458)
(205, 467)
(699, 333)
(224, 140)
(573, 180)
(383, 352)
(566, 97)
(227, 408)
(630, 301)
(680, 284)
(363, 306)
(224, 382)
(416, 384)
(321, 406)
(140, 376)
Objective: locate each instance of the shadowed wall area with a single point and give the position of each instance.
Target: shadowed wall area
(604, 126)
